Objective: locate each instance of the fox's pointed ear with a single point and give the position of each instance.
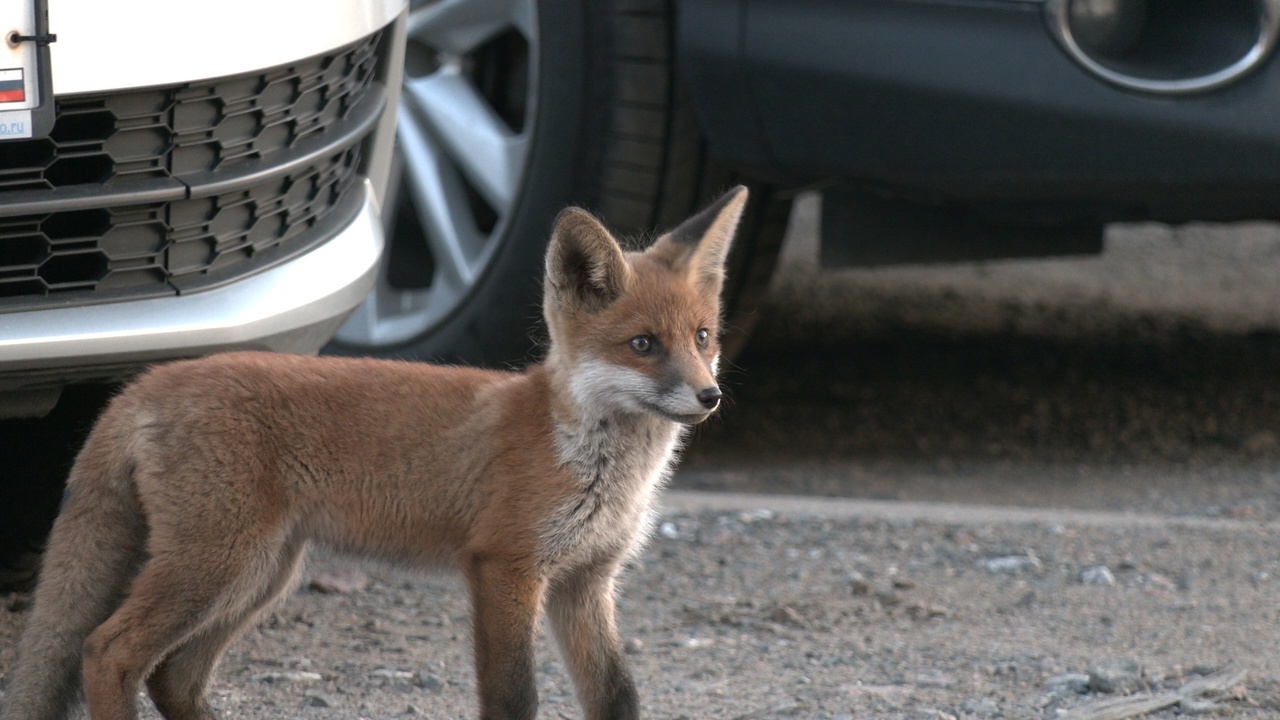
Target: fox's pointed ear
(700, 245)
(585, 265)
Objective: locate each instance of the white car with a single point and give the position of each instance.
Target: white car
(177, 179)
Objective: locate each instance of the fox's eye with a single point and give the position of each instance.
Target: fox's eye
(703, 337)
(642, 344)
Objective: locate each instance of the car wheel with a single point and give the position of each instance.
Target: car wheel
(512, 110)
(35, 456)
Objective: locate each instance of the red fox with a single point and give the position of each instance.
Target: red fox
(189, 507)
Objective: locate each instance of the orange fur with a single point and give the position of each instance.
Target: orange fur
(189, 508)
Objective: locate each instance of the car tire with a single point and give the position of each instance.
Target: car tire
(35, 457)
(582, 106)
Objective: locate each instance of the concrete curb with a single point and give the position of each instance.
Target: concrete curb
(946, 513)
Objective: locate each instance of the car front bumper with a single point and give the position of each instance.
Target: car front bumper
(292, 307)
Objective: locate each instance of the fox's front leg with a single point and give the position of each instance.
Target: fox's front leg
(581, 608)
(505, 601)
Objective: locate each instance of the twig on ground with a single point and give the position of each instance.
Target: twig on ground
(1143, 703)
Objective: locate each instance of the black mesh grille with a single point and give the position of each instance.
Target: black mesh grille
(227, 177)
(184, 129)
(159, 247)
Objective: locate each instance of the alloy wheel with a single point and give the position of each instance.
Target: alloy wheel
(464, 128)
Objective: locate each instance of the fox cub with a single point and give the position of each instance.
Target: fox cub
(188, 510)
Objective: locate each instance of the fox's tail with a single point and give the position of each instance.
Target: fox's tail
(96, 546)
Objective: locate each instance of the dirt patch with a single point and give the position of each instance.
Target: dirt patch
(758, 614)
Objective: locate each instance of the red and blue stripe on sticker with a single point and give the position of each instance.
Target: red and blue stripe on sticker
(12, 88)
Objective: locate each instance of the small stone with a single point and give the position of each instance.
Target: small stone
(288, 676)
(315, 698)
(904, 584)
(1198, 706)
(412, 710)
(754, 515)
(1011, 564)
(859, 584)
(339, 580)
(633, 646)
(1123, 676)
(1098, 575)
(391, 674)
(669, 531)
(430, 683)
(1068, 684)
(786, 615)
(927, 612)
(986, 707)
(889, 598)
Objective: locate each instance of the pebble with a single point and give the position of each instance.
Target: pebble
(1198, 706)
(986, 707)
(633, 646)
(786, 615)
(859, 584)
(927, 612)
(1068, 684)
(430, 682)
(669, 531)
(889, 598)
(1011, 564)
(339, 580)
(1098, 575)
(315, 698)
(392, 675)
(288, 676)
(751, 516)
(1122, 676)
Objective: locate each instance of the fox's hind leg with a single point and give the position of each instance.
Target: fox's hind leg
(176, 597)
(180, 681)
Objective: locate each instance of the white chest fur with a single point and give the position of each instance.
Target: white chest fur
(619, 463)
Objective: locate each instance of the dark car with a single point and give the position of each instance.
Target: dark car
(936, 130)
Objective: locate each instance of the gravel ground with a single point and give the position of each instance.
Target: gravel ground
(758, 613)
(1139, 388)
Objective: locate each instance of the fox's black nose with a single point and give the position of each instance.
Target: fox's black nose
(710, 397)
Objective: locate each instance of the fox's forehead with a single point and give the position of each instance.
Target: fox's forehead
(663, 301)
